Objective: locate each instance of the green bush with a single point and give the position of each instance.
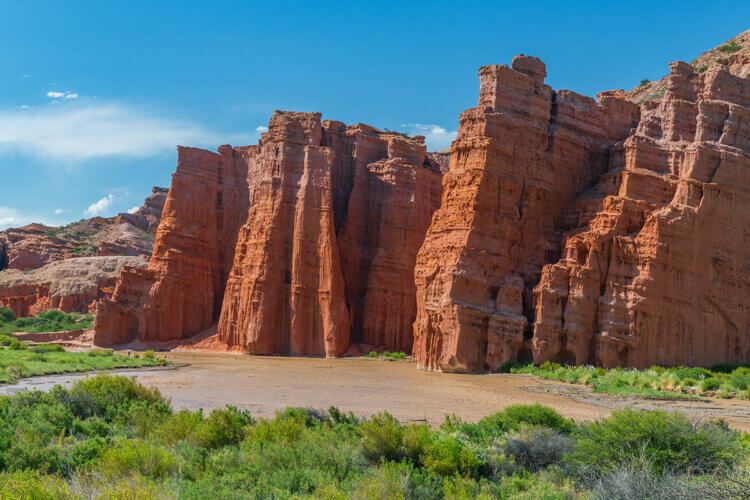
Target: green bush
(148, 354)
(6, 315)
(16, 345)
(222, 428)
(710, 384)
(514, 416)
(135, 457)
(448, 456)
(730, 47)
(33, 485)
(382, 438)
(667, 441)
(537, 448)
(44, 348)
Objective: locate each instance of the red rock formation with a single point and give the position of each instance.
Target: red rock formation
(519, 159)
(181, 291)
(70, 285)
(656, 268)
(35, 245)
(298, 288)
(333, 218)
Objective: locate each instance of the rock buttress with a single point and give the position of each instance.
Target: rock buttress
(519, 159)
(181, 291)
(330, 240)
(656, 268)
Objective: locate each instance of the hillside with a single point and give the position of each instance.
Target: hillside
(734, 53)
(35, 245)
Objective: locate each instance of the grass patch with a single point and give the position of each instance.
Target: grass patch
(110, 437)
(48, 321)
(730, 47)
(727, 381)
(17, 363)
(394, 356)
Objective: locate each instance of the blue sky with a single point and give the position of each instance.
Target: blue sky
(94, 96)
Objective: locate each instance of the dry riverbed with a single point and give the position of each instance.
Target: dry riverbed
(266, 384)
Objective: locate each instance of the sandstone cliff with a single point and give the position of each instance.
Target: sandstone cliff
(70, 285)
(35, 245)
(655, 268)
(519, 159)
(308, 242)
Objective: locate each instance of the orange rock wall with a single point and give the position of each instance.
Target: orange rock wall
(317, 238)
(656, 267)
(181, 291)
(519, 160)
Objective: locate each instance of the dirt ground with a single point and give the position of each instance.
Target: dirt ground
(265, 384)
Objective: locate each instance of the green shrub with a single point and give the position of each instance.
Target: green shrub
(135, 457)
(382, 438)
(148, 354)
(644, 82)
(6, 315)
(33, 485)
(667, 441)
(222, 428)
(448, 456)
(701, 69)
(730, 47)
(537, 448)
(513, 416)
(44, 348)
(101, 352)
(17, 345)
(710, 384)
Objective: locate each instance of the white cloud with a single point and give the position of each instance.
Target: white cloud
(261, 128)
(25, 106)
(101, 207)
(133, 210)
(61, 211)
(85, 130)
(436, 137)
(52, 94)
(10, 217)
(26, 76)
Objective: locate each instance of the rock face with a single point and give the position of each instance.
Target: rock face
(565, 234)
(181, 291)
(656, 266)
(36, 245)
(70, 285)
(309, 242)
(519, 160)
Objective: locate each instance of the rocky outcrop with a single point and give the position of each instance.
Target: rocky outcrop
(36, 245)
(180, 293)
(328, 250)
(314, 245)
(519, 160)
(70, 285)
(655, 268)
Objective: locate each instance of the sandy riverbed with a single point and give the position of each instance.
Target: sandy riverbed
(266, 384)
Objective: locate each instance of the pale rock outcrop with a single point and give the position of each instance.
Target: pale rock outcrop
(69, 285)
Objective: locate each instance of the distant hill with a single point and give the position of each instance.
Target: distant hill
(35, 245)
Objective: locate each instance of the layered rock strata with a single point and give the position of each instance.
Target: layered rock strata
(656, 268)
(70, 285)
(319, 249)
(520, 158)
(35, 245)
